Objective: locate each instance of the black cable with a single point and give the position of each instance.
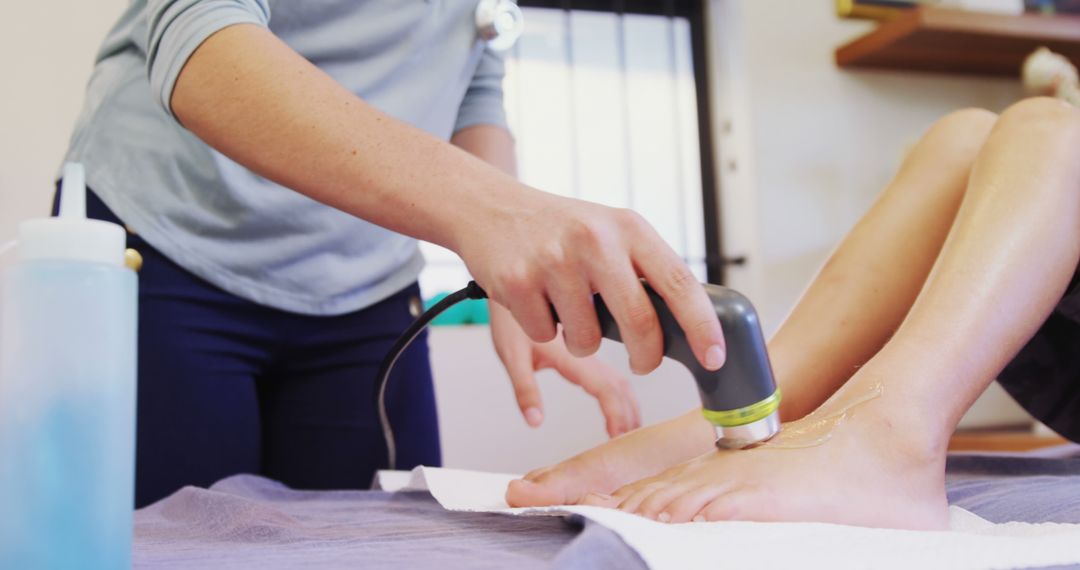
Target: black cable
(471, 291)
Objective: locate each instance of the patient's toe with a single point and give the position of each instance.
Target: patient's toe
(525, 493)
(685, 507)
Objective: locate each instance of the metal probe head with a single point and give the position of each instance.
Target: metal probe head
(740, 399)
(748, 435)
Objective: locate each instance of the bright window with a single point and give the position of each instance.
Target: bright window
(603, 107)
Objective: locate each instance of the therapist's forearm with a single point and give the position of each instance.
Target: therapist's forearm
(495, 146)
(492, 144)
(257, 101)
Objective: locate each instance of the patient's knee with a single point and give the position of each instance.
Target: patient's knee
(965, 120)
(957, 137)
(1042, 116)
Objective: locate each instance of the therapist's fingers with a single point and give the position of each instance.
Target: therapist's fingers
(518, 362)
(533, 313)
(636, 409)
(634, 314)
(675, 283)
(573, 302)
(613, 393)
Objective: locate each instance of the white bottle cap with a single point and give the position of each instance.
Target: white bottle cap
(72, 237)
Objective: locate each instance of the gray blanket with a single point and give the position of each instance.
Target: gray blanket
(250, 522)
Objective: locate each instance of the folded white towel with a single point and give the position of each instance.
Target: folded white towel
(972, 542)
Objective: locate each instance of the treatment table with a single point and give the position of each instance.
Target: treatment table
(251, 522)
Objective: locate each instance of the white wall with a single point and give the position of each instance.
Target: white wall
(812, 144)
(804, 146)
(46, 53)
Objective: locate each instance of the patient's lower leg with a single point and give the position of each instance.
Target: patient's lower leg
(1006, 262)
(864, 290)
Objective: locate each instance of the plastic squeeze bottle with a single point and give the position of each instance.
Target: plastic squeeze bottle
(67, 392)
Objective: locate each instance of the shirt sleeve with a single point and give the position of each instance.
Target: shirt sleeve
(483, 102)
(178, 27)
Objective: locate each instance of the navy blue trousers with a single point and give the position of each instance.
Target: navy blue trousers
(228, 386)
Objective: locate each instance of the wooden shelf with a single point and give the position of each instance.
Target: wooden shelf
(955, 41)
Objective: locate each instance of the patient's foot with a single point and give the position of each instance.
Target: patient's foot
(640, 453)
(874, 469)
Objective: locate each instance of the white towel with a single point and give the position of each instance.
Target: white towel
(971, 542)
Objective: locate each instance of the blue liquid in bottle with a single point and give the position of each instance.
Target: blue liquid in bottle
(67, 399)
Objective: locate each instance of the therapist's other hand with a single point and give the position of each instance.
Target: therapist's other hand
(533, 250)
(523, 358)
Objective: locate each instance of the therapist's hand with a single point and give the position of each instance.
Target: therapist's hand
(523, 358)
(534, 250)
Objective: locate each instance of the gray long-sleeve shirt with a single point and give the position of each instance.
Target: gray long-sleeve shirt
(417, 60)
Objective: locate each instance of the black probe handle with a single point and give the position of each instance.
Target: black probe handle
(746, 376)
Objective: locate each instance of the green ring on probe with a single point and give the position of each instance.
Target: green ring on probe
(745, 415)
